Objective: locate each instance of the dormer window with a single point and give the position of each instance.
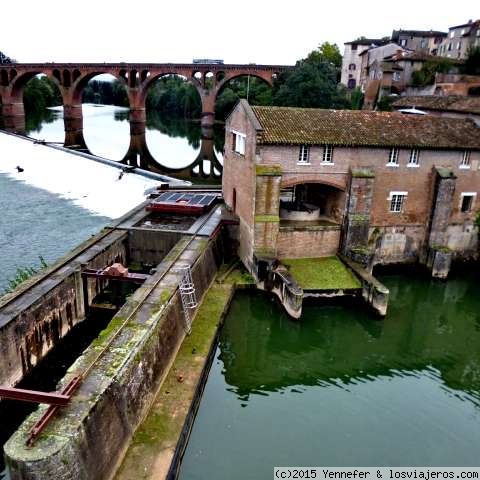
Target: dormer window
(304, 155)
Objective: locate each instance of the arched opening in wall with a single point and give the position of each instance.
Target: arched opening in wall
(105, 108)
(318, 203)
(42, 102)
(173, 132)
(474, 91)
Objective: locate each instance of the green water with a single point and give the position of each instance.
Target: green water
(341, 388)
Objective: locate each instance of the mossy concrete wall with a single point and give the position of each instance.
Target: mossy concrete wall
(36, 318)
(147, 246)
(87, 439)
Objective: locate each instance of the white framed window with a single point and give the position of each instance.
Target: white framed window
(327, 157)
(304, 155)
(393, 158)
(467, 201)
(397, 200)
(452, 34)
(465, 162)
(414, 159)
(403, 42)
(396, 76)
(238, 143)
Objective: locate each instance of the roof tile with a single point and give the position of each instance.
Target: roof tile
(287, 125)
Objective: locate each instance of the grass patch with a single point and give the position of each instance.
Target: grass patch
(321, 273)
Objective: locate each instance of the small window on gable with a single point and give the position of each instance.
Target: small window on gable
(393, 157)
(327, 154)
(304, 154)
(468, 199)
(465, 163)
(351, 66)
(397, 200)
(238, 143)
(413, 160)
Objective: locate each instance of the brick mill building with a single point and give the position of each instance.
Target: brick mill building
(381, 187)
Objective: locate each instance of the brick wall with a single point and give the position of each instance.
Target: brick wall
(308, 243)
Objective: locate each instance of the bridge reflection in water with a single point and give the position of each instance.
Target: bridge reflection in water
(172, 147)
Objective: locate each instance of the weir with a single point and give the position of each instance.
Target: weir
(120, 372)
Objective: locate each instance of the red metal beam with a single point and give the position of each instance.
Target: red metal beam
(51, 410)
(34, 396)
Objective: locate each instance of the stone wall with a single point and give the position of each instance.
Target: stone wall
(147, 246)
(87, 439)
(33, 322)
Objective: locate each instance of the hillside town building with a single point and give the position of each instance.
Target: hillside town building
(381, 187)
(459, 39)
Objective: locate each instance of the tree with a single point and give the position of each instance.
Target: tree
(4, 60)
(356, 99)
(472, 62)
(313, 83)
(326, 52)
(426, 75)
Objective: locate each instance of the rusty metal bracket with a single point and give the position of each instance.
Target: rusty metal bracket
(34, 396)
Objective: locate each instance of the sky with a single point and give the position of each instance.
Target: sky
(246, 31)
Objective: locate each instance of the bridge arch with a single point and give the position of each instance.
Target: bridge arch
(79, 84)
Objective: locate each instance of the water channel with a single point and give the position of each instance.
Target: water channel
(340, 388)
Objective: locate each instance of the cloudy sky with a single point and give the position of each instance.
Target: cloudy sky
(258, 31)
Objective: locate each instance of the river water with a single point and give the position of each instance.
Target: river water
(172, 144)
(340, 388)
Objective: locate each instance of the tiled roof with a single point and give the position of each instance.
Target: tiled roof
(366, 41)
(418, 33)
(285, 125)
(451, 103)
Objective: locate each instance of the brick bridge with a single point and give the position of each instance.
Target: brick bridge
(72, 78)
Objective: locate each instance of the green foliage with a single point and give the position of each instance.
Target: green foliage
(356, 99)
(254, 89)
(22, 274)
(173, 96)
(426, 75)
(385, 104)
(106, 93)
(326, 52)
(40, 93)
(313, 84)
(477, 220)
(472, 62)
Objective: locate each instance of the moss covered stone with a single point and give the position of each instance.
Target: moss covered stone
(327, 273)
(267, 218)
(155, 440)
(268, 170)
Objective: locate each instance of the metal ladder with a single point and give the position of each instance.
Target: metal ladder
(187, 294)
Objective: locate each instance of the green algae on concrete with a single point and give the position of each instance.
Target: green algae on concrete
(327, 273)
(153, 445)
